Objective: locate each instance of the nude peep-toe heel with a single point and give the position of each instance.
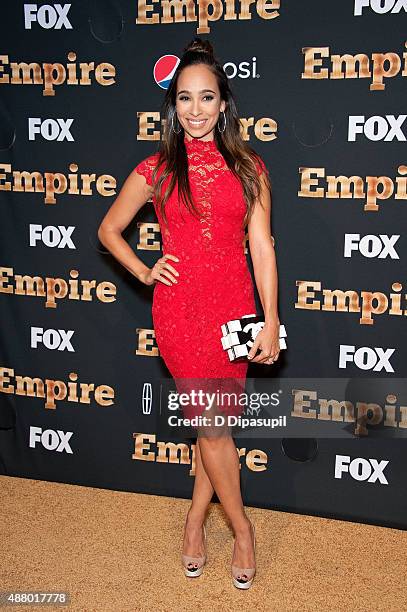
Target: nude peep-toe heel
(189, 562)
(243, 576)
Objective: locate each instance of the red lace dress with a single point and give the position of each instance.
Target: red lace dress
(214, 282)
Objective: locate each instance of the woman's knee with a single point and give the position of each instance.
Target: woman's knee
(214, 436)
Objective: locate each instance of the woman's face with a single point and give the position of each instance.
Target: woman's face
(198, 102)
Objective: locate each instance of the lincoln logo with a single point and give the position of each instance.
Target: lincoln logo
(147, 398)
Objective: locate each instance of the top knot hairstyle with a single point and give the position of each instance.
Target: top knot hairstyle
(200, 46)
(238, 154)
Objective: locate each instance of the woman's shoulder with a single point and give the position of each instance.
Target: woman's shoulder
(259, 162)
(146, 166)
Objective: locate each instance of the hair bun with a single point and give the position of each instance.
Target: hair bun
(198, 45)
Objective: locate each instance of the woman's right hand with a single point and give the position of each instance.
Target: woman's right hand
(161, 271)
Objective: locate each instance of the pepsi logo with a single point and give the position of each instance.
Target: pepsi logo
(164, 69)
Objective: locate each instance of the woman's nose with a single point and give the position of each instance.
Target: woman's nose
(196, 107)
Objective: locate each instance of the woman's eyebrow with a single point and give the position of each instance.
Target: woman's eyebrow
(201, 91)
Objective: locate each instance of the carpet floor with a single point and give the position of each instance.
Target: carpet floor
(119, 551)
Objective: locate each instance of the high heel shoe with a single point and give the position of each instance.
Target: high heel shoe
(189, 562)
(243, 576)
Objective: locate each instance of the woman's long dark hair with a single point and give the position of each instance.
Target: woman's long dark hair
(238, 155)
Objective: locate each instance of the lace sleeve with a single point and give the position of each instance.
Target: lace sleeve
(260, 166)
(146, 167)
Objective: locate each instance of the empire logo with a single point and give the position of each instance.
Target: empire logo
(369, 303)
(307, 405)
(347, 66)
(53, 289)
(52, 184)
(204, 11)
(369, 188)
(181, 453)
(54, 391)
(263, 128)
(146, 343)
(49, 75)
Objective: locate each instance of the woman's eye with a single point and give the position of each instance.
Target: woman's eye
(182, 98)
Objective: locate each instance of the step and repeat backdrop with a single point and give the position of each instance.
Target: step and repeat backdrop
(321, 94)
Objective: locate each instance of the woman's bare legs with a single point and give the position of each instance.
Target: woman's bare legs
(218, 469)
(221, 463)
(201, 498)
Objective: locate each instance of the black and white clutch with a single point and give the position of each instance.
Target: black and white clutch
(238, 335)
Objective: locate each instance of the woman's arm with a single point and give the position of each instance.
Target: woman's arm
(263, 255)
(134, 193)
(265, 272)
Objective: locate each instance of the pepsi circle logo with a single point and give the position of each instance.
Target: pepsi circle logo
(164, 69)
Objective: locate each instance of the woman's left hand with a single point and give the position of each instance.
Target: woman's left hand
(268, 341)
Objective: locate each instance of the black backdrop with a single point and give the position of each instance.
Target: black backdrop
(301, 125)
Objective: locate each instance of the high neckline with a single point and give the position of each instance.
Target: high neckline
(197, 144)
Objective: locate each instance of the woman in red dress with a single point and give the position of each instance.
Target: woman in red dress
(207, 185)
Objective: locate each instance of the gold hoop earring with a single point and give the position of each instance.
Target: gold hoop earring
(224, 123)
